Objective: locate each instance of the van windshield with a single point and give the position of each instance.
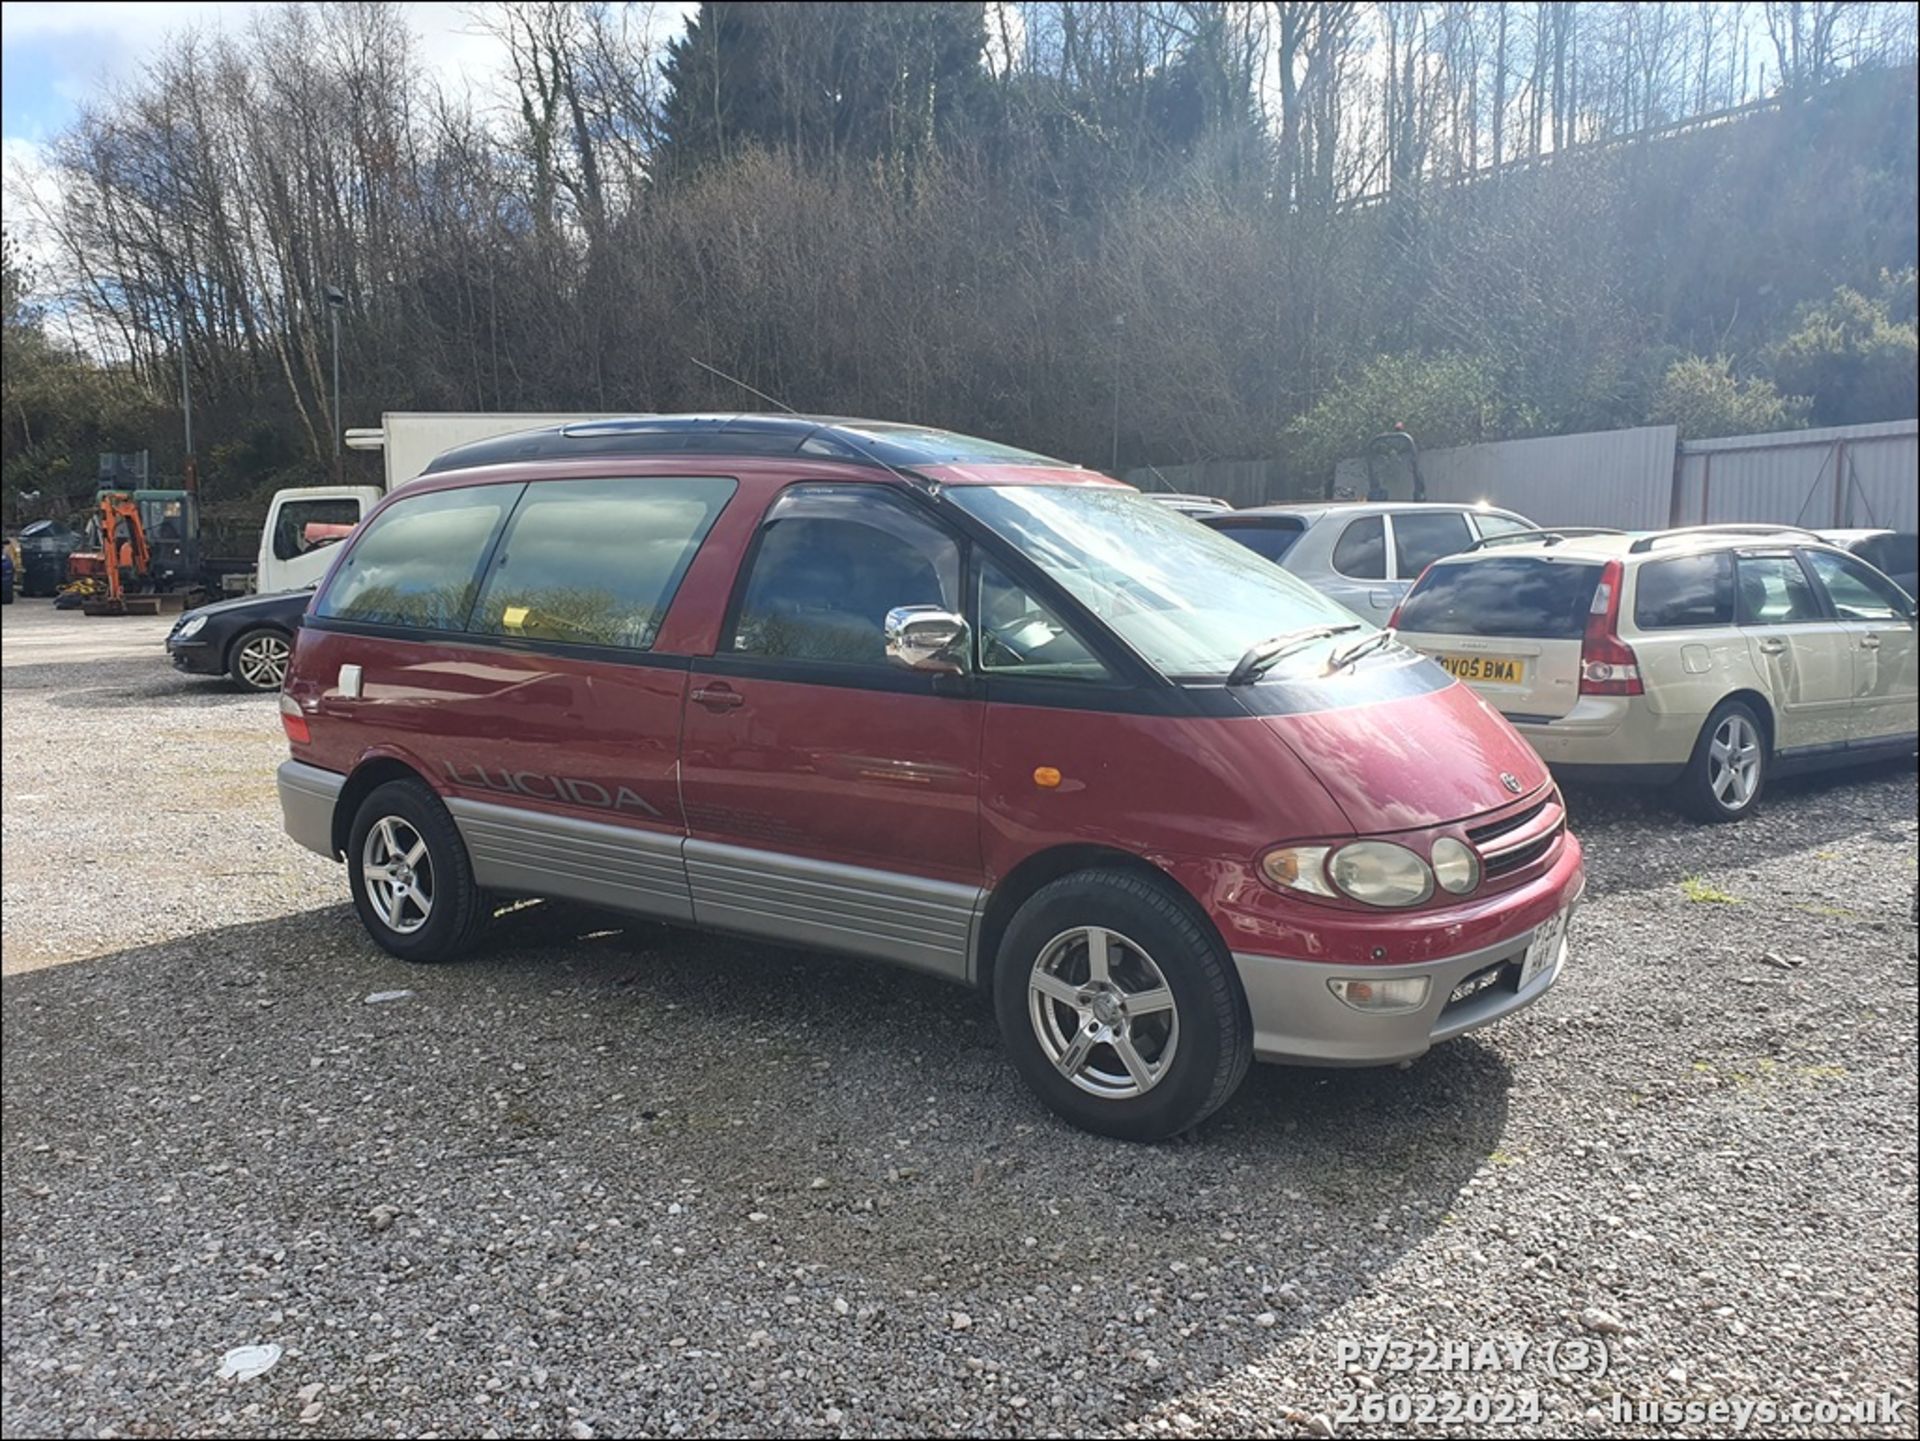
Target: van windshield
(1187, 599)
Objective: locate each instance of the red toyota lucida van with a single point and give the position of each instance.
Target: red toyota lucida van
(910, 695)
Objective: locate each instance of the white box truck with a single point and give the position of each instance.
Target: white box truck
(291, 557)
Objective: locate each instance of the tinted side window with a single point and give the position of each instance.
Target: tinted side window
(1362, 550)
(418, 561)
(1422, 537)
(1491, 524)
(1857, 593)
(1020, 635)
(1503, 596)
(596, 562)
(831, 562)
(290, 529)
(1688, 590)
(1271, 539)
(1774, 591)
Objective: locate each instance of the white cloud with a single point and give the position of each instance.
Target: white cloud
(30, 188)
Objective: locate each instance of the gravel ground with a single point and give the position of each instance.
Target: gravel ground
(610, 1178)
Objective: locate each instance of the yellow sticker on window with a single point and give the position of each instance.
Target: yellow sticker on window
(514, 617)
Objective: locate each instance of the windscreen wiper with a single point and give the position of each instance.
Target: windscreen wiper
(1262, 654)
(1363, 646)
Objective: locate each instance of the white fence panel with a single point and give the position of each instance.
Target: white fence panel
(1850, 475)
(1611, 477)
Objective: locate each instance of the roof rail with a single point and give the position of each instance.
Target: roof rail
(881, 444)
(1647, 542)
(1554, 536)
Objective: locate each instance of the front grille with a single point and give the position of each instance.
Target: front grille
(1511, 844)
(1506, 862)
(1493, 830)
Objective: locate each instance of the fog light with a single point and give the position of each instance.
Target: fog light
(1381, 998)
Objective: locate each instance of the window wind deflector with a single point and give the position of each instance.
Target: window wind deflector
(1263, 654)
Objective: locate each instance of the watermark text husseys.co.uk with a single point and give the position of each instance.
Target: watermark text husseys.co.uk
(1739, 1413)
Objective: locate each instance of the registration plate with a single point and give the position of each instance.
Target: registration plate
(1490, 669)
(1543, 951)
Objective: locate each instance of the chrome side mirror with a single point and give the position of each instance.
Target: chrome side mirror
(925, 637)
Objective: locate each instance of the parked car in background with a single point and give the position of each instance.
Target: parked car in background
(1194, 505)
(1894, 553)
(7, 573)
(247, 640)
(1363, 554)
(901, 693)
(1709, 659)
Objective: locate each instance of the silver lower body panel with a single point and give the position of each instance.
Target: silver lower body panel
(535, 853)
(909, 920)
(308, 796)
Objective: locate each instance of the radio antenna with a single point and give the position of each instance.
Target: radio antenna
(736, 380)
(846, 437)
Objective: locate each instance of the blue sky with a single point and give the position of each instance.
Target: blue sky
(55, 55)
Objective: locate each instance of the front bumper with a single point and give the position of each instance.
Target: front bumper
(1297, 1019)
(196, 657)
(308, 796)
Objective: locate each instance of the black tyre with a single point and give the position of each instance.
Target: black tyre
(1727, 773)
(412, 880)
(1120, 1007)
(257, 659)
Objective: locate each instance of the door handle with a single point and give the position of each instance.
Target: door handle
(1380, 599)
(1772, 647)
(1870, 642)
(718, 697)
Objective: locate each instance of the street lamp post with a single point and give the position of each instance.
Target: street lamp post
(189, 469)
(336, 302)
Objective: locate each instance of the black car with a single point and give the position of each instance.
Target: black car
(1894, 553)
(247, 640)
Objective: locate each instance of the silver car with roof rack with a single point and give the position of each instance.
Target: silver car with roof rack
(1365, 554)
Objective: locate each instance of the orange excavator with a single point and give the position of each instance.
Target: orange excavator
(124, 562)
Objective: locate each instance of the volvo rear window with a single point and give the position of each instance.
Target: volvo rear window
(1503, 596)
(1688, 590)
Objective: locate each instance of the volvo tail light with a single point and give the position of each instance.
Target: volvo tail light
(1608, 665)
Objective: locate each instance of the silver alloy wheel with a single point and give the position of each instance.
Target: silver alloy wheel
(262, 662)
(399, 874)
(1103, 1012)
(1733, 760)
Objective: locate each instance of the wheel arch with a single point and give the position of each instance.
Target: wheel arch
(367, 777)
(1043, 868)
(233, 641)
(1760, 706)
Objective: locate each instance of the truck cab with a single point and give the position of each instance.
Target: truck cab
(297, 543)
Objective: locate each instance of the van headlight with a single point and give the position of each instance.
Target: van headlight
(1376, 873)
(191, 626)
(1299, 868)
(1380, 873)
(1455, 866)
